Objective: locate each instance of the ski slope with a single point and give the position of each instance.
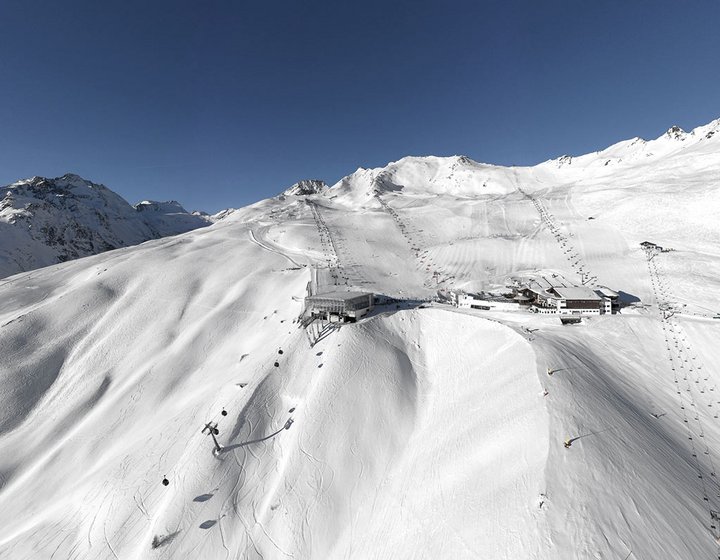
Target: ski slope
(419, 432)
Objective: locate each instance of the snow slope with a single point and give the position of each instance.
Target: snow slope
(46, 221)
(415, 433)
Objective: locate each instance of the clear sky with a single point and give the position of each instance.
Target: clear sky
(222, 103)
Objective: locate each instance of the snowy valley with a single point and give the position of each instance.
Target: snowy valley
(422, 431)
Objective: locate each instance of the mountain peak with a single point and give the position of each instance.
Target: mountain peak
(707, 131)
(676, 133)
(67, 217)
(306, 187)
(38, 182)
(74, 180)
(73, 177)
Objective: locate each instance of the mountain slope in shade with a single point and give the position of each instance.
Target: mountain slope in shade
(46, 221)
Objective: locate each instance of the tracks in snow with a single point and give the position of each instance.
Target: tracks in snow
(338, 260)
(693, 396)
(259, 243)
(425, 264)
(572, 255)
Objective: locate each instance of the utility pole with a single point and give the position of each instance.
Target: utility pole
(212, 431)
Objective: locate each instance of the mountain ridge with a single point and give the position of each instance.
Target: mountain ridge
(49, 220)
(109, 222)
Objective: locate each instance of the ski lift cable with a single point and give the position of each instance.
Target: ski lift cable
(214, 419)
(677, 364)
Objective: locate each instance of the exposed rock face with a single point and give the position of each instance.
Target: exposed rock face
(306, 187)
(45, 221)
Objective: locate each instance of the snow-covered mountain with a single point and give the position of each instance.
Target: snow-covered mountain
(637, 150)
(45, 221)
(420, 432)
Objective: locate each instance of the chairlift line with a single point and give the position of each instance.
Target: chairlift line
(682, 348)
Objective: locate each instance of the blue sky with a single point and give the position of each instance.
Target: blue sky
(222, 103)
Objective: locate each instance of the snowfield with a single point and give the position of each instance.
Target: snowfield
(420, 432)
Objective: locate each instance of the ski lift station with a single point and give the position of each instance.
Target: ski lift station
(348, 306)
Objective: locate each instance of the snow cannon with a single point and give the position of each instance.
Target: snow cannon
(165, 482)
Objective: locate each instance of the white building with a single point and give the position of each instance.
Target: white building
(610, 298)
(543, 295)
(486, 302)
(578, 300)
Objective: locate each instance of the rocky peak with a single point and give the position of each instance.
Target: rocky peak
(676, 133)
(306, 187)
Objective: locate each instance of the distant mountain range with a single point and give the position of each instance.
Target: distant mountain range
(46, 221)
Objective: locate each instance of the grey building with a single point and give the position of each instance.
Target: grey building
(349, 306)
